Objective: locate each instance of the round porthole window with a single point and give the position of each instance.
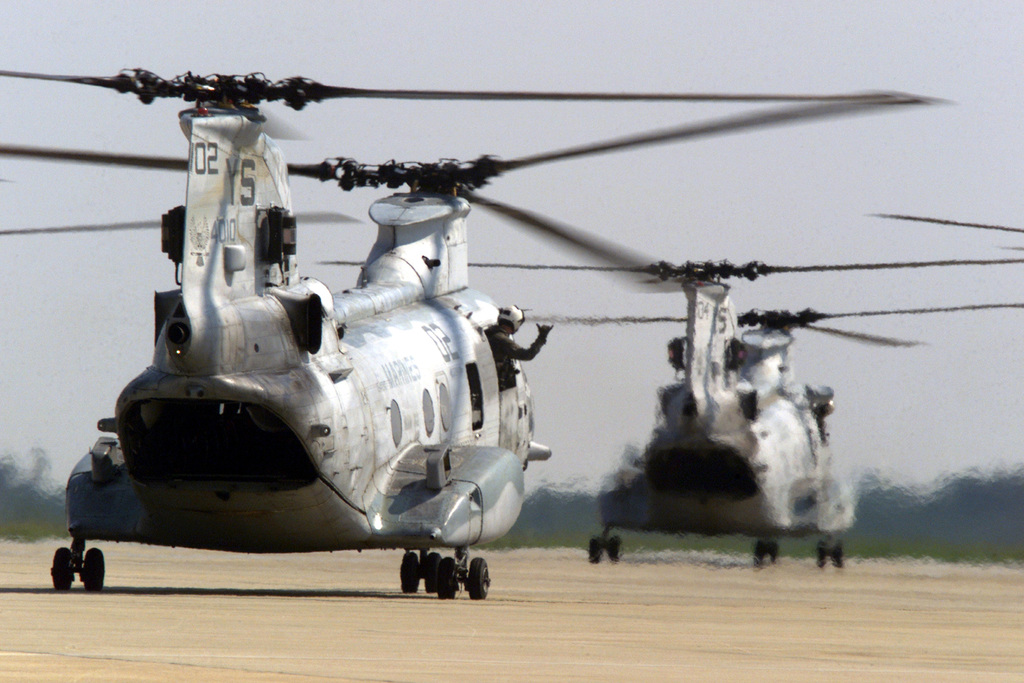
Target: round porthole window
(446, 406)
(428, 412)
(396, 423)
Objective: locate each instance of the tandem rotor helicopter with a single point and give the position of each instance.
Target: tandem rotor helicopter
(278, 416)
(739, 447)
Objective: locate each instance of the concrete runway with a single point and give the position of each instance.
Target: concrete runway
(171, 614)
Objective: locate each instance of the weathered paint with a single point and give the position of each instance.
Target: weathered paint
(279, 417)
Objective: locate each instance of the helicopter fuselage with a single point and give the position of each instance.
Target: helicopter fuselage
(279, 417)
(740, 448)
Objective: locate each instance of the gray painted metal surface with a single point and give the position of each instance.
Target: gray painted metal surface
(278, 416)
(740, 447)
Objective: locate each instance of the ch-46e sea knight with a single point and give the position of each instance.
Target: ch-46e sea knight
(279, 416)
(740, 447)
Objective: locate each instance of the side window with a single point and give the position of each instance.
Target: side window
(445, 407)
(428, 412)
(476, 395)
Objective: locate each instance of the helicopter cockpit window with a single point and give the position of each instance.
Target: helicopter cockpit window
(677, 353)
(736, 354)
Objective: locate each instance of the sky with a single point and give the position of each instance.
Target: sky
(77, 319)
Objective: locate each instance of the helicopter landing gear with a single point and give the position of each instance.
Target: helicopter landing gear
(415, 567)
(765, 549)
(89, 566)
(458, 572)
(605, 543)
(832, 552)
(445, 575)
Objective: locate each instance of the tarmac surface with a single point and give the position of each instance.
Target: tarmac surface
(172, 614)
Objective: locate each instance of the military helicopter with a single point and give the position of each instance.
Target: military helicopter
(740, 448)
(278, 416)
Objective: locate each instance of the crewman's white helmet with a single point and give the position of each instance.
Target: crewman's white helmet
(512, 316)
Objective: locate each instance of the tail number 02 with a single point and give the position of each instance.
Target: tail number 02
(204, 158)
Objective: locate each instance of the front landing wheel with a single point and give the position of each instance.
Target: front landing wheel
(596, 550)
(479, 580)
(410, 572)
(61, 570)
(447, 579)
(93, 569)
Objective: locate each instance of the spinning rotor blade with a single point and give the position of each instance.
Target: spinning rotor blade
(761, 119)
(515, 266)
(297, 91)
(445, 176)
(156, 163)
(600, 249)
(718, 270)
(304, 218)
(787, 319)
(98, 158)
(595, 321)
(941, 221)
(861, 337)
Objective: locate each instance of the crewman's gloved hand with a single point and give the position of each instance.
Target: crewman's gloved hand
(543, 330)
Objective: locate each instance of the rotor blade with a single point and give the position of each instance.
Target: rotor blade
(594, 321)
(760, 119)
(101, 158)
(112, 227)
(724, 269)
(276, 127)
(600, 249)
(514, 266)
(105, 82)
(872, 339)
(941, 221)
(922, 311)
(892, 266)
(331, 92)
(298, 91)
(322, 217)
(312, 218)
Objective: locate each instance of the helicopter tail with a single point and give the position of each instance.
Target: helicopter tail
(710, 331)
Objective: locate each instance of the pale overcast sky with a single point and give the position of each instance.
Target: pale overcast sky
(77, 310)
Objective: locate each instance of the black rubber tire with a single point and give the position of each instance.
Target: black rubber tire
(773, 551)
(93, 570)
(479, 579)
(823, 553)
(759, 552)
(429, 571)
(837, 555)
(61, 571)
(410, 573)
(447, 581)
(596, 548)
(614, 545)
